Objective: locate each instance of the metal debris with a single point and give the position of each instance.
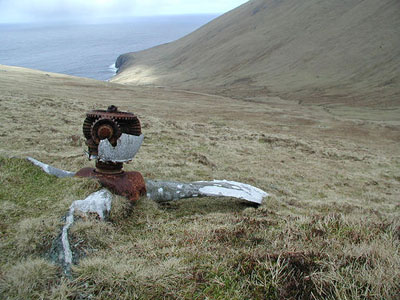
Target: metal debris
(108, 124)
(126, 148)
(51, 170)
(98, 203)
(128, 184)
(164, 191)
(114, 137)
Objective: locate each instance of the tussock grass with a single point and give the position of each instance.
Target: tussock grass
(29, 279)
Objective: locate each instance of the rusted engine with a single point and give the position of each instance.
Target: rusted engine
(113, 138)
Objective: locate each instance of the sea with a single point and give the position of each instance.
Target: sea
(89, 50)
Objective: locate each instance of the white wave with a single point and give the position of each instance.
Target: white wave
(113, 69)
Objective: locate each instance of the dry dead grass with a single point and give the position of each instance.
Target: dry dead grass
(329, 230)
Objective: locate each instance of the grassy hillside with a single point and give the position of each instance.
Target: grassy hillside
(314, 51)
(330, 229)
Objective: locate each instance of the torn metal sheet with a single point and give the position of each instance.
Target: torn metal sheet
(125, 150)
(232, 189)
(98, 203)
(51, 170)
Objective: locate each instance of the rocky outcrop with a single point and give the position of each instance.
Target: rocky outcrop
(123, 61)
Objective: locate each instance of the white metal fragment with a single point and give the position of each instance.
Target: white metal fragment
(126, 149)
(98, 202)
(64, 237)
(177, 190)
(51, 170)
(233, 189)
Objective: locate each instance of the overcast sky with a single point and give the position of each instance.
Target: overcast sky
(92, 10)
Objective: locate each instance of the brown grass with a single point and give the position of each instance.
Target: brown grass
(329, 230)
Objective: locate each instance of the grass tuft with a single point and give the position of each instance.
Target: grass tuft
(31, 278)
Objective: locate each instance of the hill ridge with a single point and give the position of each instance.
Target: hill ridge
(313, 51)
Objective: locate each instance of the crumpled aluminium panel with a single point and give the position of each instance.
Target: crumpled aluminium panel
(126, 149)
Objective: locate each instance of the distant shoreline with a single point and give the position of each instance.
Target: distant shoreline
(88, 50)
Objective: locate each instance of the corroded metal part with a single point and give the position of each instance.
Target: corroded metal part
(114, 137)
(112, 112)
(108, 167)
(128, 184)
(109, 124)
(105, 128)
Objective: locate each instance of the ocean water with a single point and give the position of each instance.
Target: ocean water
(88, 50)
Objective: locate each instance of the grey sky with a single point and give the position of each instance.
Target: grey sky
(41, 10)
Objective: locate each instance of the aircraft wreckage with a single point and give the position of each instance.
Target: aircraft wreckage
(114, 138)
